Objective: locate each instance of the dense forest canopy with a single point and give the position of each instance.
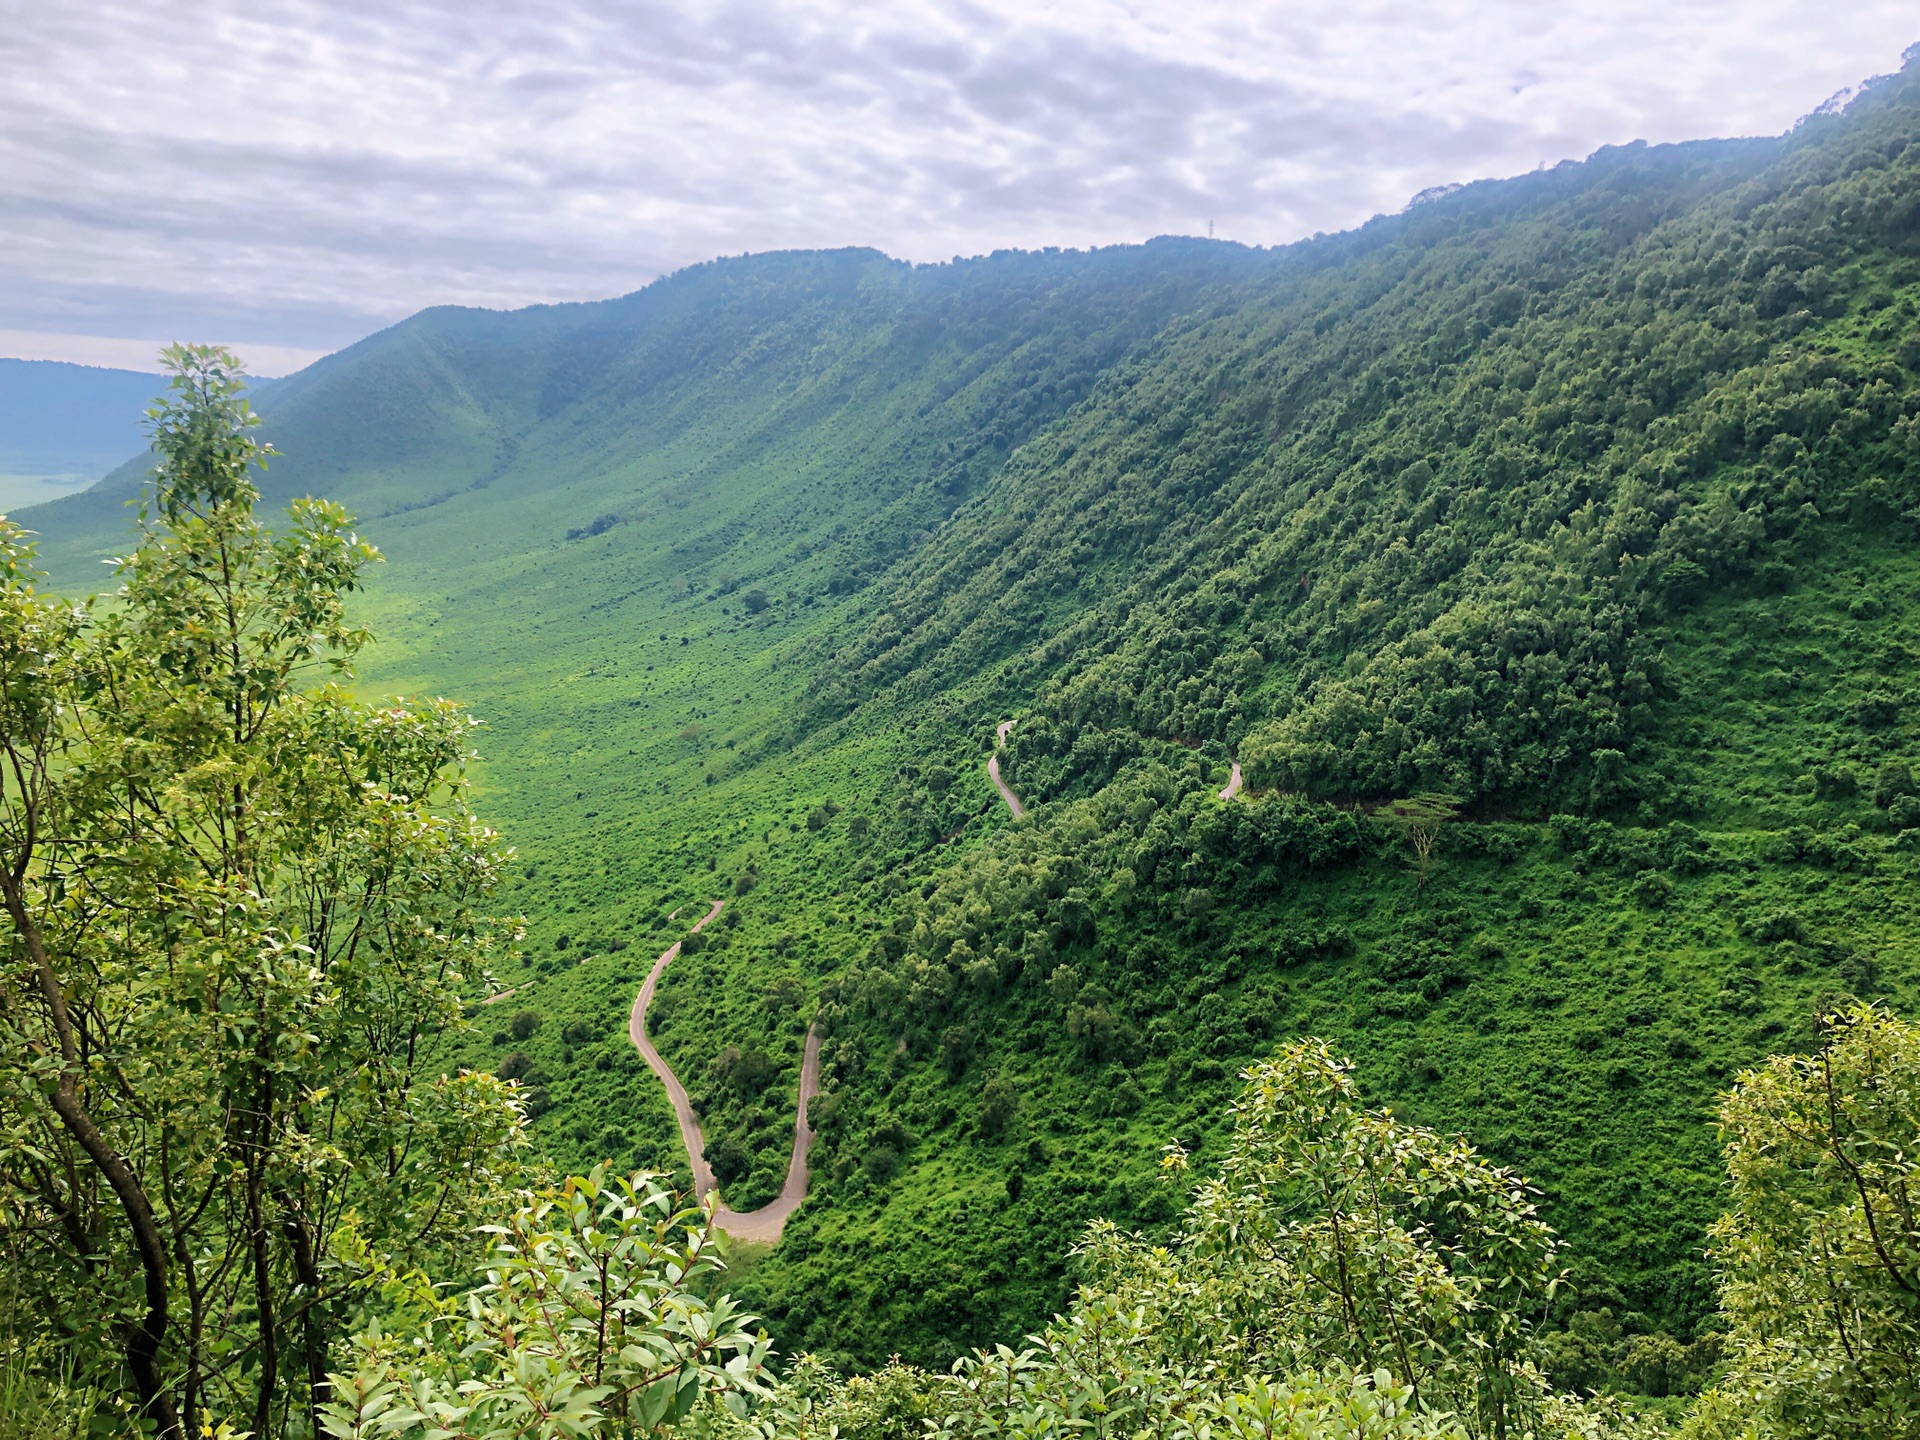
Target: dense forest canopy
(1541, 556)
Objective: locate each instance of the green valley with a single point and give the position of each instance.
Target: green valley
(1544, 555)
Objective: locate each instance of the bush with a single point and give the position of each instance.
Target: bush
(747, 1072)
(632, 1352)
(730, 1158)
(39, 1401)
(999, 1103)
(1835, 782)
(1652, 889)
(1894, 781)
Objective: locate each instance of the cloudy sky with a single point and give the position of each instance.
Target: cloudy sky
(288, 175)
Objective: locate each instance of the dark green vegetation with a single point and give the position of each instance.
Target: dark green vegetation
(1586, 499)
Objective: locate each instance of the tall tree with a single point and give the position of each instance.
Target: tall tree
(236, 901)
(1337, 1238)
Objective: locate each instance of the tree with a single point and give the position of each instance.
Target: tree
(956, 1051)
(235, 903)
(1820, 1251)
(1338, 1239)
(999, 1103)
(783, 997)
(1894, 781)
(1421, 818)
(729, 1158)
(588, 1321)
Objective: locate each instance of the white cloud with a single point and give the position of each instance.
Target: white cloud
(302, 171)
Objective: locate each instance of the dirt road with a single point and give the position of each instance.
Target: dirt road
(765, 1224)
(993, 773)
(1233, 783)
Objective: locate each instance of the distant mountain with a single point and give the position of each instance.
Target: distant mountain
(708, 396)
(64, 426)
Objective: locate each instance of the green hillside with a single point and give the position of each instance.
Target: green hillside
(1582, 504)
(1589, 502)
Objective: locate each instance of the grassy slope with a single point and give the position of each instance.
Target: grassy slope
(786, 424)
(846, 436)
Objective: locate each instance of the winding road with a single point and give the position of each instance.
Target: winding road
(993, 772)
(1233, 783)
(765, 1224)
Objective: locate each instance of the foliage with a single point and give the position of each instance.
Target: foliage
(40, 1400)
(895, 1402)
(1081, 1381)
(1594, 1355)
(588, 1322)
(1095, 1372)
(1344, 1275)
(1338, 1237)
(1820, 1252)
(236, 909)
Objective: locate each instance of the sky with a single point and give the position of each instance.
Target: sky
(287, 176)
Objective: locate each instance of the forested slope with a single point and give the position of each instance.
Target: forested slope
(1587, 501)
(1582, 504)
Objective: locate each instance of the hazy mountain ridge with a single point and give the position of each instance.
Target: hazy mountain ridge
(772, 341)
(64, 426)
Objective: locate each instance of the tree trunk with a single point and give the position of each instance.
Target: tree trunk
(263, 1264)
(307, 1272)
(143, 1339)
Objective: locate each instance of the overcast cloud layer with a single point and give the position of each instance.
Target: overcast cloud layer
(290, 175)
